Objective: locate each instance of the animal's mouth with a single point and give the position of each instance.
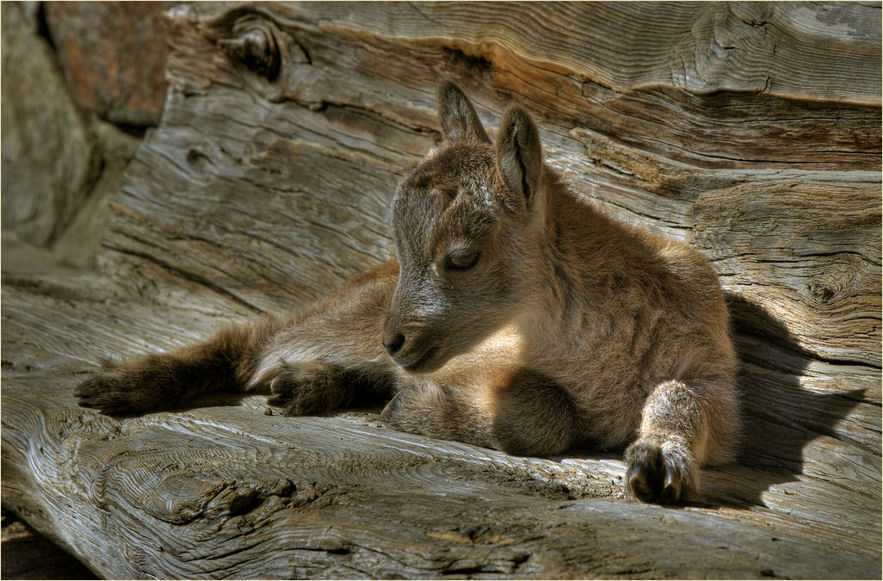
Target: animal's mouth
(418, 363)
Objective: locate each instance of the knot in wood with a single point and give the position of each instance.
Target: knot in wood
(255, 44)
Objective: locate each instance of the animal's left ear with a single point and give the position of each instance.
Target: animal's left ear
(460, 122)
(520, 155)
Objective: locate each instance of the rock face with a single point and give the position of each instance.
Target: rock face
(750, 129)
(113, 56)
(61, 157)
(49, 159)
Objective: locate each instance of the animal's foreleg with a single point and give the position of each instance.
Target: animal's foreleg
(331, 354)
(682, 427)
(310, 363)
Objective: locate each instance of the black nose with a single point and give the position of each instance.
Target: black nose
(393, 341)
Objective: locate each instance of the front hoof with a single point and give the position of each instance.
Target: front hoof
(661, 474)
(408, 412)
(311, 387)
(394, 411)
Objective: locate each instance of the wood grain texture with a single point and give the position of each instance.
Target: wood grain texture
(752, 130)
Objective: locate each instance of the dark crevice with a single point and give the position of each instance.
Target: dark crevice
(137, 131)
(43, 26)
(245, 503)
(477, 65)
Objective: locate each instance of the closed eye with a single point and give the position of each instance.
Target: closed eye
(461, 260)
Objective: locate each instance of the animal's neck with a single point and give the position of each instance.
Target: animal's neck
(572, 254)
(549, 281)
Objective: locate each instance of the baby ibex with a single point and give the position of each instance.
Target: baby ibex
(517, 317)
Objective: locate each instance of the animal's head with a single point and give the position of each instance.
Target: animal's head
(467, 223)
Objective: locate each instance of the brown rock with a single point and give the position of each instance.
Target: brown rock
(113, 55)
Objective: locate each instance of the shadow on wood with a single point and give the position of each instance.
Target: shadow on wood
(781, 418)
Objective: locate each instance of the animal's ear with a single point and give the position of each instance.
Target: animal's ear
(459, 121)
(520, 155)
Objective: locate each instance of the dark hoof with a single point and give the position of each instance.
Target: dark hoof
(308, 388)
(657, 476)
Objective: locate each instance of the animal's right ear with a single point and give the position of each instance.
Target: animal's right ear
(459, 121)
(520, 155)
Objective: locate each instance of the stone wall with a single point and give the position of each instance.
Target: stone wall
(81, 83)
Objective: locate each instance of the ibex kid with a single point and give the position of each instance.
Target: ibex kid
(516, 317)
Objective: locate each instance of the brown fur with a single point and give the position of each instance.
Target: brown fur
(516, 317)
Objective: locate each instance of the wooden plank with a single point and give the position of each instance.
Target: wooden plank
(813, 488)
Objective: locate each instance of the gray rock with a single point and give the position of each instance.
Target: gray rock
(49, 159)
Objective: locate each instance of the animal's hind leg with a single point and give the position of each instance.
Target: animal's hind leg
(525, 415)
(682, 427)
(162, 381)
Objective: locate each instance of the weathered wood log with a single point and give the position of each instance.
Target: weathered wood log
(751, 129)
